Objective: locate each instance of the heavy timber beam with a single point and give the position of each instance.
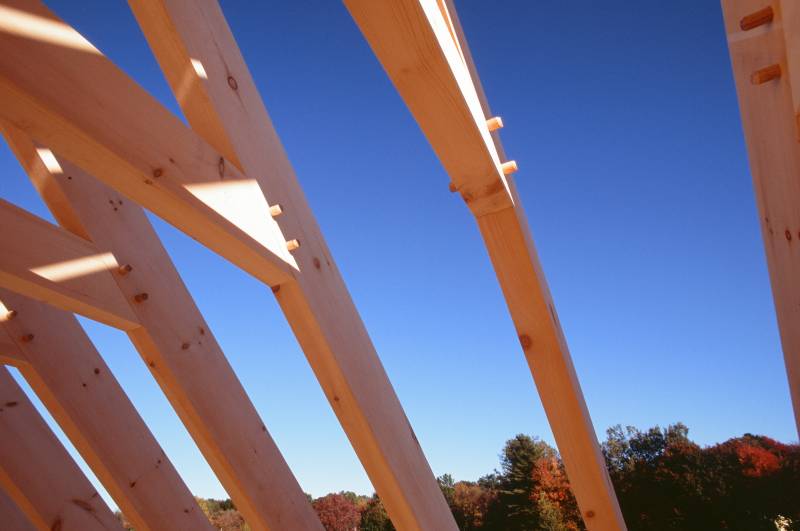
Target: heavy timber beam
(12, 517)
(38, 473)
(177, 344)
(63, 92)
(9, 353)
(74, 383)
(770, 108)
(421, 46)
(417, 47)
(47, 263)
(202, 63)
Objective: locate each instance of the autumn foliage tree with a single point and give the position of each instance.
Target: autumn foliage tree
(665, 481)
(337, 512)
(555, 504)
(662, 479)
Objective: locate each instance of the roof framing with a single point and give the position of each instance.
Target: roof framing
(175, 342)
(71, 379)
(223, 106)
(227, 182)
(421, 46)
(47, 263)
(78, 103)
(30, 456)
(764, 43)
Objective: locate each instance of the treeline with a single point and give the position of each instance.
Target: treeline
(663, 481)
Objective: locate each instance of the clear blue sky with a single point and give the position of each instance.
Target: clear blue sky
(633, 171)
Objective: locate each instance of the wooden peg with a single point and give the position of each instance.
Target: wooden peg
(275, 211)
(124, 269)
(759, 18)
(292, 245)
(141, 297)
(767, 73)
(27, 338)
(509, 167)
(494, 123)
(453, 188)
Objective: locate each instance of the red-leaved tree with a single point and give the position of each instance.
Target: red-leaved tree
(337, 512)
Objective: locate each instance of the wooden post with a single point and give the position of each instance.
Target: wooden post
(74, 383)
(176, 343)
(12, 517)
(421, 46)
(38, 473)
(222, 104)
(759, 38)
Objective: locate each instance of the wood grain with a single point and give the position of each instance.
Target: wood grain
(38, 473)
(177, 344)
(421, 45)
(47, 263)
(83, 396)
(75, 101)
(231, 116)
(769, 117)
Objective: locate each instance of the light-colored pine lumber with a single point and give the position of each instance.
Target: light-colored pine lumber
(64, 93)
(411, 39)
(770, 114)
(222, 104)
(533, 313)
(177, 345)
(421, 46)
(12, 517)
(38, 473)
(47, 263)
(493, 124)
(9, 353)
(74, 383)
(509, 167)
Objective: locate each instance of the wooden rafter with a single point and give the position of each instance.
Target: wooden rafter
(421, 46)
(417, 47)
(31, 456)
(74, 383)
(222, 104)
(47, 263)
(9, 353)
(12, 516)
(765, 54)
(171, 340)
(64, 93)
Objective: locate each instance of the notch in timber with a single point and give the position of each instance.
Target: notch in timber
(494, 123)
(509, 167)
(275, 211)
(292, 245)
(125, 269)
(759, 18)
(768, 73)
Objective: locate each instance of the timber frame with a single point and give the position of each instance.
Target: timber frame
(764, 43)
(100, 150)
